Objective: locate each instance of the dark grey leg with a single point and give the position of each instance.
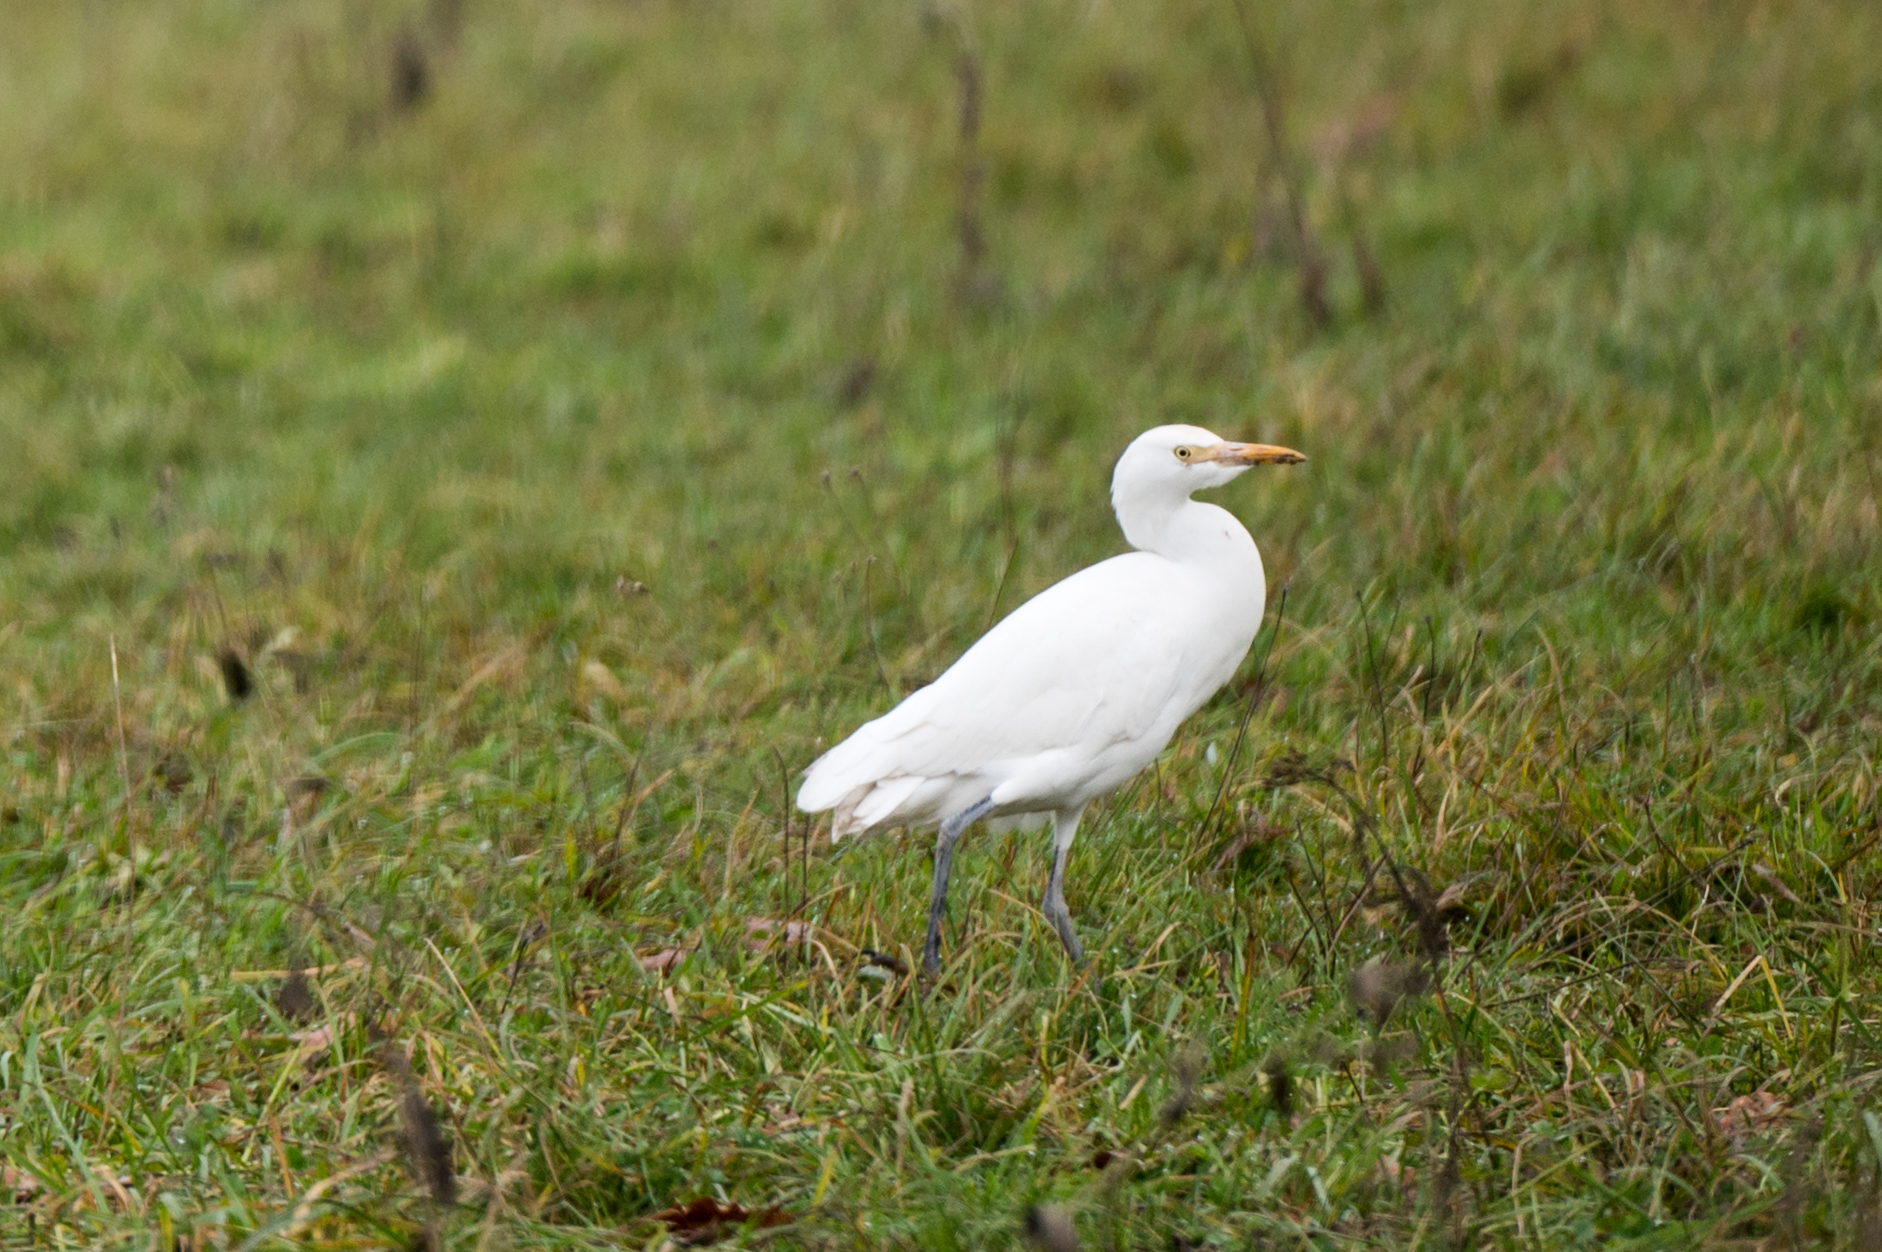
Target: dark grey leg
(944, 861)
(1064, 830)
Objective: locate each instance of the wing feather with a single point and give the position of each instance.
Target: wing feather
(1099, 658)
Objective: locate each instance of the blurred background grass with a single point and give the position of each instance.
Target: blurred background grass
(535, 402)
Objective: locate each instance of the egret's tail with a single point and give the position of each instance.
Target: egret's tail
(874, 804)
(908, 800)
(860, 806)
(877, 777)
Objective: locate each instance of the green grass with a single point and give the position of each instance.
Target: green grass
(396, 404)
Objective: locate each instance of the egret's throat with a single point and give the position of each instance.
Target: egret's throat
(1172, 525)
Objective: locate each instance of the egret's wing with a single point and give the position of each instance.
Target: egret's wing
(1092, 660)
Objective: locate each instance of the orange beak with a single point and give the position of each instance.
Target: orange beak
(1251, 454)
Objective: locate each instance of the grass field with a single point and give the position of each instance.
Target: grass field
(560, 419)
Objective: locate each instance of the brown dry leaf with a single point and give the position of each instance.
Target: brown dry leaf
(120, 1189)
(704, 1220)
(1450, 901)
(317, 1040)
(760, 931)
(1748, 1114)
(1378, 986)
(18, 1184)
(663, 961)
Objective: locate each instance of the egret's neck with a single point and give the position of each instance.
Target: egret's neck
(1188, 532)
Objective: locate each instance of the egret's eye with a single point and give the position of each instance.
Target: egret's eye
(1185, 453)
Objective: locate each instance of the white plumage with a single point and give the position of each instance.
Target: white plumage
(1077, 689)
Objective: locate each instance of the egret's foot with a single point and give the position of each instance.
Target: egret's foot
(931, 955)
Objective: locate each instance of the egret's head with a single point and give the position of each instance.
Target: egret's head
(1188, 458)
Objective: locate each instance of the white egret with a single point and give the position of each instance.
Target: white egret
(1077, 689)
